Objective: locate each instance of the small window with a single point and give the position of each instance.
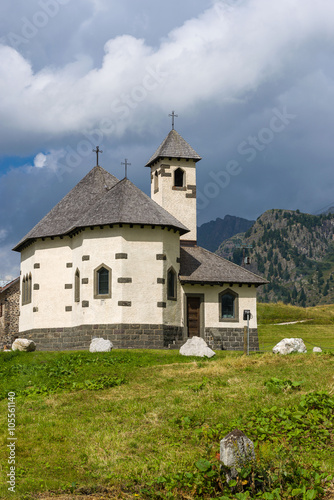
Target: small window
(77, 286)
(24, 290)
(171, 284)
(29, 288)
(156, 182)
(179, 177)
(1, 311)
(102, 285)
(228, 306)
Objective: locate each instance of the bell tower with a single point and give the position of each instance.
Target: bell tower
(173, 180)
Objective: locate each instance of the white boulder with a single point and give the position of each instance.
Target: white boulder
(317, 349)
(100, 345)
(236, 449)
(23, 345)
(196, 346)
(287, 346)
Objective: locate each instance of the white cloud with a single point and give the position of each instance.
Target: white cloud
(40, 160)
(220, 56)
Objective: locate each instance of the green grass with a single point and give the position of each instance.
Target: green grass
(164, 414)
(316, 326)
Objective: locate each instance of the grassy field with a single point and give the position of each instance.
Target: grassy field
(315, 327)
(147, 424)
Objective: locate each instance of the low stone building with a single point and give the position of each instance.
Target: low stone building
(109, 261)
(9, 312)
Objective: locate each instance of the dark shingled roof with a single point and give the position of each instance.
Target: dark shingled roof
(127, 204)
(63, 217)
(201, 266)
(174, 146)
(100, 198)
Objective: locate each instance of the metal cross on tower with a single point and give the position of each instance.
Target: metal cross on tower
(97, 151)
(126, 163)
(173, 115)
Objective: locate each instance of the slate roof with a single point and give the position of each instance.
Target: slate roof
(98, 199)
(63, 217)
(201, 266)
(127, 204)
(174, 146)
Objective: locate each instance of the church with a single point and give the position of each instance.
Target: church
(109, 261)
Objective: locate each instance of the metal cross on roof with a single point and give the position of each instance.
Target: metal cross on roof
(97, 151)
(126, 163)
(173, 115)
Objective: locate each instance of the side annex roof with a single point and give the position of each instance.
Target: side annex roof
(201, 266)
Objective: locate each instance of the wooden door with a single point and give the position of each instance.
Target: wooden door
(193, 316)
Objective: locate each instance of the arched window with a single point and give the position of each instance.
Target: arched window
(24, 291)
(228, 306)
(77, 286)
(179, 177)
(102, 282)
(171, 284)
(156, 181)
(29, 291)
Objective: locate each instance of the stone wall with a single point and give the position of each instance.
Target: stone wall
(9, 321)
(231, 339)
(135, 336)
(124, 336)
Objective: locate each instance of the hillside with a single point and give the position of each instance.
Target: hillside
(294, 251)
(211, 234)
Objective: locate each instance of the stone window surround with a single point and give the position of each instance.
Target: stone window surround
(235, 319)
(176, 178)
(96, 294)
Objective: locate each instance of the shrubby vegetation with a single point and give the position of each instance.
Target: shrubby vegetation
(294, 252)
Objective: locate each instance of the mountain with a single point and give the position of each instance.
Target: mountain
(211, 234)
(292, 250)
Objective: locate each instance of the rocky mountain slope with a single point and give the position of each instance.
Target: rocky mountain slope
(294, 251)
(211, 234)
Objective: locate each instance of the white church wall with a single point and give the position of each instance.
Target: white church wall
(46, 261)
(246, 300)
(150, 253)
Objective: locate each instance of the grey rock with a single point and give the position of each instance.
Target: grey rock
(100, 345)
(196, 346)
(236, 450)
(23, 345)
(317, 349)
(287, 346)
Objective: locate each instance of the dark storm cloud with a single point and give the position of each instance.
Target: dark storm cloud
(252, 82)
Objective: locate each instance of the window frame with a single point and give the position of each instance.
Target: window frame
(235, 295)
(98, 295)
(177, 186)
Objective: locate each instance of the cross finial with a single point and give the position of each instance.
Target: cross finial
(173, 115)
(126, 163)
(97, 151)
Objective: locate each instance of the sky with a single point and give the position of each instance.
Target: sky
(250, 80)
